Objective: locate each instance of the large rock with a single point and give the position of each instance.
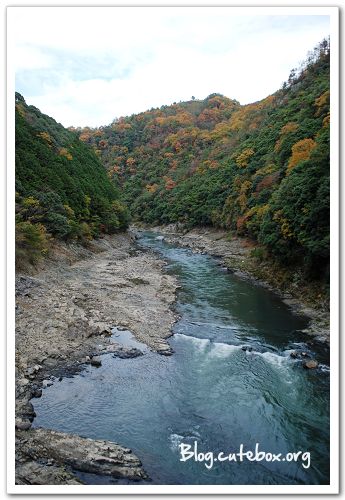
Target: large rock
(311, 364)
(25, 410)
(82, 454)
(96, 361)
(23, 425)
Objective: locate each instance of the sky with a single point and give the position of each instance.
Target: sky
(87, 66)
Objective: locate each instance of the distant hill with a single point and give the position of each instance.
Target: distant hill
(62, 189)
(260, 170)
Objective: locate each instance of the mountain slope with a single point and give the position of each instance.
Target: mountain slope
(62, 189)
(261, 170)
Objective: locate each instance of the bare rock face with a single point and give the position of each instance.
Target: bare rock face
(82, 454)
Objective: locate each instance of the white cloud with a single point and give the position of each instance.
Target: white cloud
(88, 66)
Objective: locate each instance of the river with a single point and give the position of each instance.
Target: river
(211, 391)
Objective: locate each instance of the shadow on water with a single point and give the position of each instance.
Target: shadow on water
(212, 391)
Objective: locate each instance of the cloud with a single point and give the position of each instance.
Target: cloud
(86, 66)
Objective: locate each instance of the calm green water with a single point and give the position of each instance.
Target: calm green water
(210, 391)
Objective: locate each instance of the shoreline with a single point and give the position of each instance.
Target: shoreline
(82, 295)
(234, 254)
(65, 314)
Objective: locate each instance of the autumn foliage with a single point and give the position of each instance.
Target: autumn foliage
(301, 151)
(260, 169)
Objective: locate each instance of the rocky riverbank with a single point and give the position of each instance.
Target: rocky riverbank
(236, 254)
(65, 314)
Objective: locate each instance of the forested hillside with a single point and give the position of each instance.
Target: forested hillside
(261, 170)
(62, 189)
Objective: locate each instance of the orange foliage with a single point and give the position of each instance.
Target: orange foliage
(177, 146)
(321, 102)
(64, 152)
(85, 136)
(173, 165)
(326, 121)
(122, 125)
(301, 151)
(248, 116)
(182, 118)
(169, 183)
(289, 127)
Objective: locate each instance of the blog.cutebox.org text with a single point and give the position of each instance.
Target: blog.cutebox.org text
(209, 458)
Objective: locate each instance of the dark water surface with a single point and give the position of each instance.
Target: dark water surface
(210, 391)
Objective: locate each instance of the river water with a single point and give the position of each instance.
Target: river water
(211, 393)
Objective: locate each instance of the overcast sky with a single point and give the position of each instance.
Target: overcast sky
(86, 66)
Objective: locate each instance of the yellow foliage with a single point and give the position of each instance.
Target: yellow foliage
(130, 161)
(221, 130)
(46, 137)
(301, 151)
(277, 145)
(151, 188)
(20, 109)
(326, 121)
(266, 170)
(285, 228)
(242, 198)
(30, 202)
(249, 116)
(258, 212)
(243, 158)
(69, 211)
(210, 164)
(321, 102)
(64, 152)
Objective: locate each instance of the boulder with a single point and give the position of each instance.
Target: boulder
(96, 361)
(23, 425)
(311, 364)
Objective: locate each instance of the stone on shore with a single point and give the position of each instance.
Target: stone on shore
(96, 361)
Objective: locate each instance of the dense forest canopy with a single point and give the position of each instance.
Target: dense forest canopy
(261, 170)
(62, 189)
